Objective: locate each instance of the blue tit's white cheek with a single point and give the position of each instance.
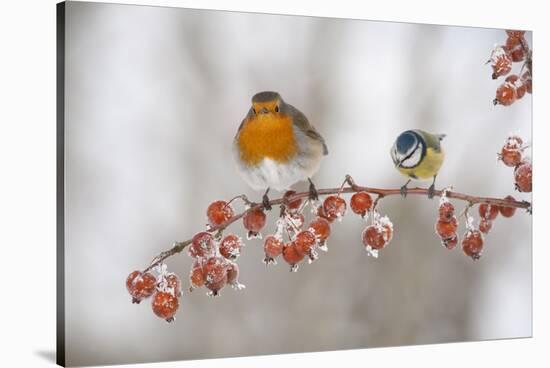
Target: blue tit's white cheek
(413, 160)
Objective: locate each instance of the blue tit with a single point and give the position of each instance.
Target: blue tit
(418, 155)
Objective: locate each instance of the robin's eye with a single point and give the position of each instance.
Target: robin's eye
(277, 108)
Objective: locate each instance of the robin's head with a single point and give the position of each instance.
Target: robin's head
(266, 103)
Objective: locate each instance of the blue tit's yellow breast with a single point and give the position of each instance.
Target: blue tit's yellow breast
(428, 167)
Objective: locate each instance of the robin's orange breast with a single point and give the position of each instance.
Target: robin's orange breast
(267, 136)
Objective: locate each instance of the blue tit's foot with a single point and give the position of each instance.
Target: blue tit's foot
(403, 191)
(265, 201)
(431, 191)
(313, 194)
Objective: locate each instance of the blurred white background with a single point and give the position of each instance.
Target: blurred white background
(153, 99)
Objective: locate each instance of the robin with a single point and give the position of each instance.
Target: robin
(276, 146)
(418, 155)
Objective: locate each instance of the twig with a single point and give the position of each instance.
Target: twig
(353, 188)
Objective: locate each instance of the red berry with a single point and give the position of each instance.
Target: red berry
(321, 228)
(140, 286)
(446, 230)
(202, 245)
(295, 204)
(524, 177)
(196, 276)
(219, 212)
(273, 248)
(510, 157)
(321, 213)
(377, 237)
(488, 211)
(521, 88)
(472, 244)
(215, 274)
(501, 62)
(512, 33)
(230, 246)
(165, 305)
(451, 242)
(485, 226)
(508, 211)
(291, 255)
(173, 284)
(506, 94)
(305, 241)
(334, 207)
(446, 212)
(254, 220)
(360, 203)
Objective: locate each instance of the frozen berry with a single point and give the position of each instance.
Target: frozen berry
(446, 229)
(321, 213)
(215, 268)
(521, 88)
(215, 287)
(524, 177)
(472, 244)
(506, 94)
(165, 305)
(173, 284)
(451, 242)
(292, 256)
(295, 204)
(446, 212)
(488, 211)
(230, 246)
(321, 228)
(273, 248)
(140, 285)
(512, 33)
(485, 226)
(305, 241)
(254, 220)
(196, 276)
(360, 203)
(334, 207)
(219, 212)
(510, 157)
(376, 236)
(508, 211)
(202, 245)
(232, 273)
(501, 62)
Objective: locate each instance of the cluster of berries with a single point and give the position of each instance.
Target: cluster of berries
(165, 289)
(512, 155)
(514, 87)
(472, 243)
(214, 257)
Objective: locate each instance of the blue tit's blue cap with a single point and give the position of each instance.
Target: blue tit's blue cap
(405, 142)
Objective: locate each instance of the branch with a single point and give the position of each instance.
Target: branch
(352, 188)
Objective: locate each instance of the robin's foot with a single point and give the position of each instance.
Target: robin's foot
(313, 194)
(431, 191)
(265, 203)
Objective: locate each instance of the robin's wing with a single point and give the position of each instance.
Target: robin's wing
(301, 122)
(248, 115)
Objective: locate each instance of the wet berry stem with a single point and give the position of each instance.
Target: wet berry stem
(353, 188)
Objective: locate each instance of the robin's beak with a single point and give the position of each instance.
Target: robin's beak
(264, 111)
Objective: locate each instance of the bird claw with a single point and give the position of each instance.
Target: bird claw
(265, 203)
(313, 194)
(403, 191)
(431, 191)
